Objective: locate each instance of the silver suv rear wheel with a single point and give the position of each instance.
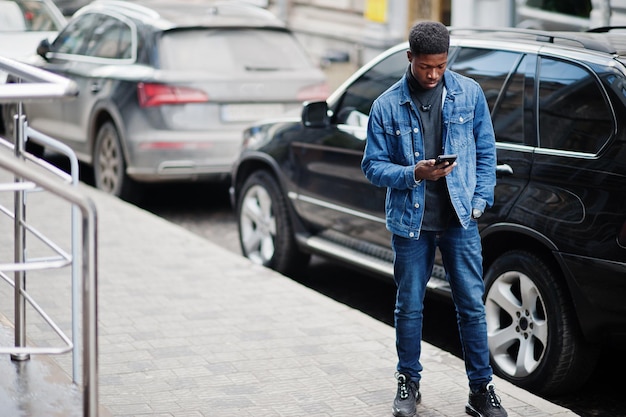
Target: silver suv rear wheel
(109, 165)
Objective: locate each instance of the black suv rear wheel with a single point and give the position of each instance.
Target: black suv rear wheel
(534, 339)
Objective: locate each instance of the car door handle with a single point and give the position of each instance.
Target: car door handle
(503, 170)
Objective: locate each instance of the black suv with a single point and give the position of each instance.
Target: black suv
(554, 241)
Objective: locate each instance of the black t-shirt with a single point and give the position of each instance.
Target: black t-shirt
(437, 206)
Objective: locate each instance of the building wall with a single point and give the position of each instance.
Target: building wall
(337, 29)
(608, 13)
(355, 31)
(483, 13)
(517, 13)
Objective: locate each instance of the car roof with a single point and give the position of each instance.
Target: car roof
(604, 40)
(607, 42)
(172, 14)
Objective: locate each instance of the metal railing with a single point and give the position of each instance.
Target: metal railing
(40, 84)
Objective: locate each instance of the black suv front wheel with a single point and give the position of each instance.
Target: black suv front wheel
(265, 232)
(534, 339)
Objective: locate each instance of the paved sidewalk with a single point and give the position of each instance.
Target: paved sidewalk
(189, 329)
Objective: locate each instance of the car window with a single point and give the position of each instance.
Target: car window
(490, 68)
(111, 39)
(507, 79)
(514, 114)
(356, 102)
(74, 38)
(573, 113)
(230, 51)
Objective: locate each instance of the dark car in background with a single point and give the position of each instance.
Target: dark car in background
(167, 87)
(554, 242)
(23, 24)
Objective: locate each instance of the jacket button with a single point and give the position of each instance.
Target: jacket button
(411, 234)
(417, 154)
(417, 205)
(397, 132)
(415, 130)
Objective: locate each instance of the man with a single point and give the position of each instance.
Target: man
(433, 111)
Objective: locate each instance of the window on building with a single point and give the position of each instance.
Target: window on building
(579, 8)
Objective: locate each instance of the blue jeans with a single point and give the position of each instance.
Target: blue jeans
(461, 251)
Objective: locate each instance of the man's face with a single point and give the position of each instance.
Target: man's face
(428, 68)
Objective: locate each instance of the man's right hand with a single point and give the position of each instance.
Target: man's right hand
(426, 169)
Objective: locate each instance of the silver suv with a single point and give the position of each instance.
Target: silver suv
(166, 88)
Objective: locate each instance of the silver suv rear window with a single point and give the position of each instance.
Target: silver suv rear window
(231, 50)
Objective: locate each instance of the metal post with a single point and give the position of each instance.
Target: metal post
(20, 244)
(89, 274)
(90, 312)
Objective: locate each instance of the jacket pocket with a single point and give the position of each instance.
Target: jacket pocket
(461, 127)
(400, 142)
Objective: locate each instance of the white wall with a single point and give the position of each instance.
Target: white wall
(608, 13)
(492, 13)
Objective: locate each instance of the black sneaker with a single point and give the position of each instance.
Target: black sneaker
(407, 398)
(485, 404)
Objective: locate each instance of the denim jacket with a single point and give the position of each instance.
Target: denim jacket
(395, 144)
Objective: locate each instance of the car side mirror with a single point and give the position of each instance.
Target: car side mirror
(43, 48)
(315, 114)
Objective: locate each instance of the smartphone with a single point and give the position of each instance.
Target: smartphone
(445, 158)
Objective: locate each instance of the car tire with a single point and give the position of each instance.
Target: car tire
(265, 231)
(534, 339)
(109, 166)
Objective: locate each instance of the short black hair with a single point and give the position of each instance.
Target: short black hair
(429, 38)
